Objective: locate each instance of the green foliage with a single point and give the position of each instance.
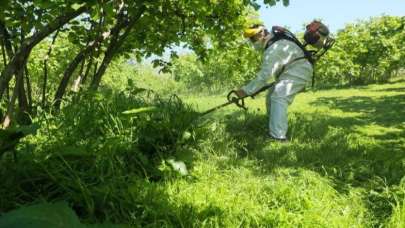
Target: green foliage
(10, 137)
(90, 149)
(342, 168)
(22, 18)
(62, 53)
(197, 25)
(122, 74)
(165, 127)
(365, 52)
(155, 131)
(128, 155)
(43, 215)
(398, 215)
(57, 215)
(221, 69)
(140, 110)
(100, 32)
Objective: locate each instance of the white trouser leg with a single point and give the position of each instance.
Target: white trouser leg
(282, 95)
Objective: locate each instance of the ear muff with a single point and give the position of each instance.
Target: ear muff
(313, 27)
(311, 38)
(312, 35)
(314, 31)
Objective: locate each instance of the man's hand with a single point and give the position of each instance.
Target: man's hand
(240, 93)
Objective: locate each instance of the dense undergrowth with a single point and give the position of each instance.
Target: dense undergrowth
(91, 150)
(112, 157)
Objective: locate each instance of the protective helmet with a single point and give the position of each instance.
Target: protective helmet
(253, 30)
(314, 31)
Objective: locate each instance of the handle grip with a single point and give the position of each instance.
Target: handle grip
(239, 101)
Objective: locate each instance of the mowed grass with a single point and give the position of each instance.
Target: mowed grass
(344, 166)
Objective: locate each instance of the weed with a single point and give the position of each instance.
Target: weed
(111, 156)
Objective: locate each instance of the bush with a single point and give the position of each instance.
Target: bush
(365, 52)
(89, 153)
(221, 70)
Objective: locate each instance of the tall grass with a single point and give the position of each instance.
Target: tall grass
(343, 167)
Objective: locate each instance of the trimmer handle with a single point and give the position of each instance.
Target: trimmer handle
(234, 98)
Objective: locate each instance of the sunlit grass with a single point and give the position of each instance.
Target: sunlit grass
(343, 167)
(354, 138)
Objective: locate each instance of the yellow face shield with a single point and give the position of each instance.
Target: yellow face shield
(247, 33)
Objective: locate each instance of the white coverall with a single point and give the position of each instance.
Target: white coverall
(292, 80)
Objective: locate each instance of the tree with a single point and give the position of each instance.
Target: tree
(140, 27)
(21, 55)
(365, 52)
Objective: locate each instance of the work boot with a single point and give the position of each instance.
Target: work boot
(278, 140)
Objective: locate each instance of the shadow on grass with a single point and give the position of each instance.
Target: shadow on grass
(401, 89)
(325, 87)
(384, 111)
(396, 80)
(339, 147)
(120, 199)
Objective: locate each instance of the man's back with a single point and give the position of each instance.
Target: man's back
(290, 55)
(279, 61)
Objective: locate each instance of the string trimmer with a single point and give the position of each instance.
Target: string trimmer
(238, 101)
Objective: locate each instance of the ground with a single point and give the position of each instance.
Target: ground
(343, 166)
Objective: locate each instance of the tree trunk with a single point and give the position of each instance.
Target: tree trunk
(108, 56)
(66, 77)
(88, 68)
(94, 72)
(44, 85)
(22, 97)
(10, 109)
(3, 52)
(109, 53)
(6, 39)
(4, 63)
(24, 51)
(71, 68)
(76, 82)
(95, 53)
(115, 44)
(7, 51)
(29, 88)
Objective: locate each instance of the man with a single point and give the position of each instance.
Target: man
(286, 59)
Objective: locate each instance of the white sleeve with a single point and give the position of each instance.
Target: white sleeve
(273, 60)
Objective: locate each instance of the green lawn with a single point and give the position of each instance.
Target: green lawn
(342, 168)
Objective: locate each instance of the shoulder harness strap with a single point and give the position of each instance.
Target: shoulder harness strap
(281, 33)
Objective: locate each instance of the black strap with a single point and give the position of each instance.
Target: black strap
(280, 33)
